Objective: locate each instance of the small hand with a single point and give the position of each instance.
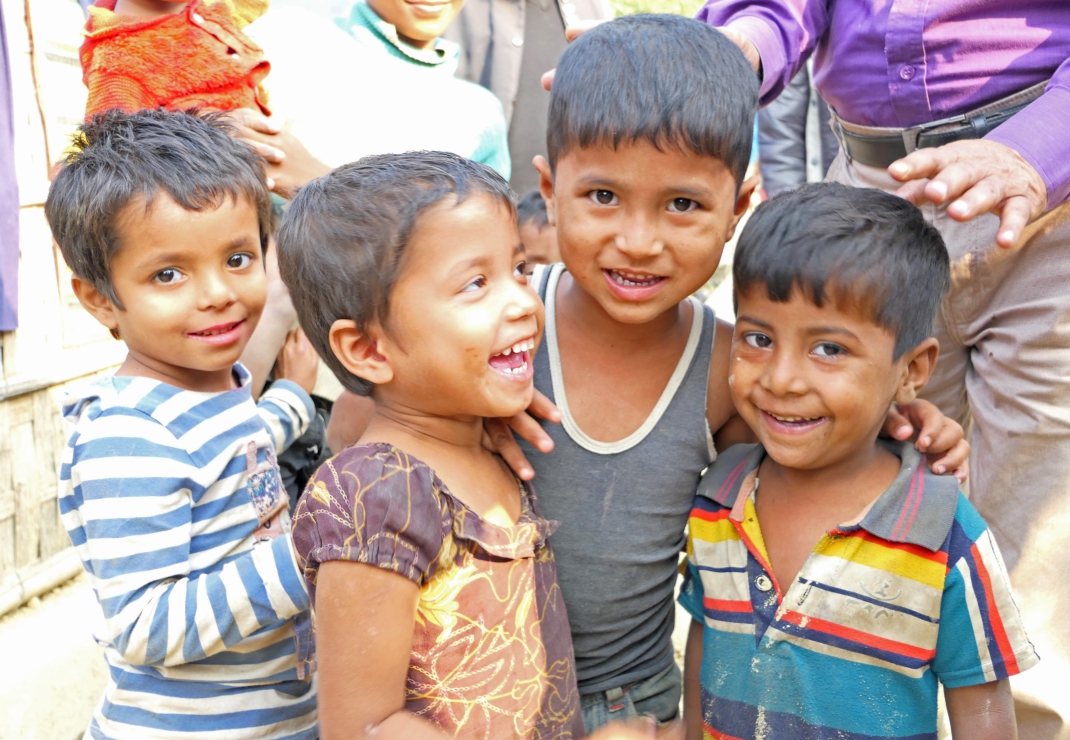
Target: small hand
(941, 439)
(572, 32)
(289, 164)
(297, 361)
(497, 436)
(975, 177)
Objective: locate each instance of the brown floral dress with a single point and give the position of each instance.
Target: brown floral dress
(491, 653)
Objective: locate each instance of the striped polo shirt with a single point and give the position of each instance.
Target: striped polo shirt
(162, 491)
(914, 593)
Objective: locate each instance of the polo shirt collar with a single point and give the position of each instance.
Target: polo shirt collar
(918, 508)
(363, 16)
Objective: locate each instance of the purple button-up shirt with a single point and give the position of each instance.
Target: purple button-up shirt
(900, 63)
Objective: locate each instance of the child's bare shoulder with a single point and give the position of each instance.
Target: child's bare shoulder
(720, 412)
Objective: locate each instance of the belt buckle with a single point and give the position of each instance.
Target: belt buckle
(910, 135)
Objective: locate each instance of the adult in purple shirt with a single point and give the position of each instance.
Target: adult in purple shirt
(888, 69)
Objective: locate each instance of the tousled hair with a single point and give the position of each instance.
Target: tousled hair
(342, 241)
(532, 207)
(664, 79)
(862, 248)
(118, 157)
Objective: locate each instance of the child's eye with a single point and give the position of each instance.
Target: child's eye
(604, 197)
(474, 284)
(240, 260)
(828, 349)
(757, 339)
(168, 276)
(524, 270)
(682, 205)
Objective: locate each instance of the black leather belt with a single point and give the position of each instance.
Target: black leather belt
(881, 151)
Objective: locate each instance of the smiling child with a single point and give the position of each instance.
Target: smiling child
(169, 488)
(434, 587)
(831, 599)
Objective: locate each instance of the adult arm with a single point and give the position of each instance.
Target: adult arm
(983, 712)
(289, 164)
(1016, 172)
(776, 36)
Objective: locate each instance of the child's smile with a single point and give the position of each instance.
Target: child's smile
(514, 362)
(814, 383)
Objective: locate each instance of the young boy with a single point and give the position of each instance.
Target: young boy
(169, 488)
(649, 138)
(536, 233)
(836, 289)
(173, 54)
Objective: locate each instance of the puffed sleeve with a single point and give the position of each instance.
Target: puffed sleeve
(372, 504)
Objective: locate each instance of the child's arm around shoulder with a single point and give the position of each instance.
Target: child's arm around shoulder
(130, 486)
(286, 410)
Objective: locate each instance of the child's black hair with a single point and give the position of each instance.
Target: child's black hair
(118, 157)
(532, 207)
(664, 79)
(343, 238)
(862, 248)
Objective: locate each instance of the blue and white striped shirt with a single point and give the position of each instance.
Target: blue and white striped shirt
(159, 492)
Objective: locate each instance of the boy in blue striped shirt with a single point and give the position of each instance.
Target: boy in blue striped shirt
(169, 487)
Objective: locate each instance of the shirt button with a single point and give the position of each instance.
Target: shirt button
(906, 72)
(518, 40)
(197, 18)
(763, 583)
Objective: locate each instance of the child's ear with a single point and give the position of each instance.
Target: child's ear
(918, 366)
(99, 306)
(746, 192)
(546, 187)
(359, 352)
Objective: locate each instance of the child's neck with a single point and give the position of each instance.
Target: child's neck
(199, 381)
(452, 447)
(858, 477)
(148, 8)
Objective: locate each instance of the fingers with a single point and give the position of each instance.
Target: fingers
(576, 29)
(502, 442)
(913, 191)
(898, 426)
(272, 154)
(956, 460)
(937, 432)
(922, 163)
(547, 79)
(255, 120)
(542, 407)
(525, 425)
(1016, 213)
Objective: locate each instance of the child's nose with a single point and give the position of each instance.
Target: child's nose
(640, 238)
(216, 291)
(782, 376)
(522, 302)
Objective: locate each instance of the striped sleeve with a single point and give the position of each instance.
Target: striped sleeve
(981, 636)
(286, 410)
(130, 487)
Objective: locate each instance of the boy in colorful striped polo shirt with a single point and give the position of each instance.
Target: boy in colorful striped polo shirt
(836, 291)
(169, 487)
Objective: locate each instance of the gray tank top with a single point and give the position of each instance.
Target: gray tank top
(623, 507)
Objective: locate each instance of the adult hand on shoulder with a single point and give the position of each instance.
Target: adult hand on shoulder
(974, 177)
(497, 436)
(289, 164)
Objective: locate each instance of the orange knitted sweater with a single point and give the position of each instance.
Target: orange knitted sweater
(197, 57)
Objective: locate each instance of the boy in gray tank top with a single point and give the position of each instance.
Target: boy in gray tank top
(649, 139)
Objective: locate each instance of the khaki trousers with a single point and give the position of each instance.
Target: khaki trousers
(1004, 332)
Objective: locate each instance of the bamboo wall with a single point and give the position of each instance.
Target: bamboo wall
(57, 344)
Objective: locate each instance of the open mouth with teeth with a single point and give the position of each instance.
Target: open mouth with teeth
(792, 424)
(515, 362)
(220, 334)
(633, 285)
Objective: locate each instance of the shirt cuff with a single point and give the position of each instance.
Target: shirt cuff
(1032, 133)
(766, 39)
(298, 391)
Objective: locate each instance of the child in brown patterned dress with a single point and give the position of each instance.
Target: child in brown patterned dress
(435, 593)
